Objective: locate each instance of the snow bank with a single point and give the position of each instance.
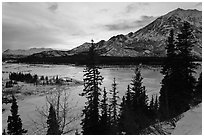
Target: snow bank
(190, 123)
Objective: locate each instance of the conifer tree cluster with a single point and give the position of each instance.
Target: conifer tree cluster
(100, 113)
(135, 113)
(178, 84)
(28, 78)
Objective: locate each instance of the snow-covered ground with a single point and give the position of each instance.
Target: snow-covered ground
(190, 123)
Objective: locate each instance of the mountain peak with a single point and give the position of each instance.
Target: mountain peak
(179, 9)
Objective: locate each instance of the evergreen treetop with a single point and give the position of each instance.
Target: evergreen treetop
(14, 121)
(52, 122)
(92, 81)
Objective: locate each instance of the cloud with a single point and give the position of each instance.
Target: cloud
(198, 5)
(103, 10)
(135, 6)
(52, 7)
(144, 20)
(66, 25)
(15, 36)
(126, 24)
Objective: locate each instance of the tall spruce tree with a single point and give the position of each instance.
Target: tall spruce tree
(114, 107)
(104, 121)
(187, 66)
(177, 89)
(139, 102)
(92, 81)
(139, 97)
(14, 121)
(156, 104)
(151, 105)
(169, 67)
(52, 122)
(134, 112)
(125, 115)
(128, 97)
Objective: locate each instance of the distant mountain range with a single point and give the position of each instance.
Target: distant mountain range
(23, 53)
(149, 41)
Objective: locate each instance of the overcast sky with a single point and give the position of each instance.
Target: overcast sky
(68, 25)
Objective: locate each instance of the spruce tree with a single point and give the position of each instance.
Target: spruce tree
(104, 121)
(134, 112)
(128, 97)
(114, 107)
(139, 102)
(171, 54)
(151, 105)
(177, 89)
(187, 66)
(92, 81)
(167, 99)
(124, 115)
(14, 121)
(156, 104)
(46, 79)
(53, 126)
(139, 97)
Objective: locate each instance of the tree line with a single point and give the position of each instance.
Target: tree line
(29, 78)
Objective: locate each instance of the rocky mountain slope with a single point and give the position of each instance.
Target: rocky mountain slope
(150, 40)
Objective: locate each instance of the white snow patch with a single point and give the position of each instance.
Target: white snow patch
(191, 123)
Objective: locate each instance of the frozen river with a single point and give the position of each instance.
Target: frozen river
(123, 75)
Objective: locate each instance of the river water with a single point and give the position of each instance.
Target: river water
(123, 75)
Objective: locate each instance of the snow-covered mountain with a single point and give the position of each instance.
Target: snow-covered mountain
(150, 40)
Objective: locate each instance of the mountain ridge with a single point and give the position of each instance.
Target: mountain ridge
(149, 41)
(19, 53)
